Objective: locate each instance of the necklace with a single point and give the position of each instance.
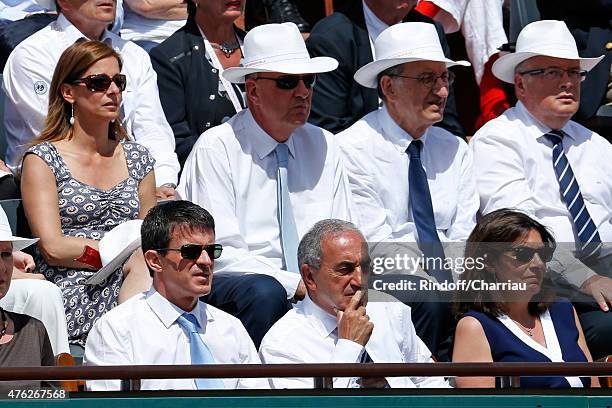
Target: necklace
(527, 329)
(227, 48)
(4, 323)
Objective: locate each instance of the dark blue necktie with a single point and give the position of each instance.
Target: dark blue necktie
(423, 215)
(588, 241)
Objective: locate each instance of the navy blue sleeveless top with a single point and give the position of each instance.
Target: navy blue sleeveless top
(507, 347)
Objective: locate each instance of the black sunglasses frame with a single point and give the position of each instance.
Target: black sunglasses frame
(193, 251)
(525, 254)
(101, 82)
(288, 82)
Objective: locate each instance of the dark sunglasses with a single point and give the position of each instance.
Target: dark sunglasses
(193, 251)
(101, 82)
(526, 254)
(291, 81)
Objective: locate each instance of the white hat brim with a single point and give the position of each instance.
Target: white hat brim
(20, 243)
(504, 67)
(368, 74)
(315, 65)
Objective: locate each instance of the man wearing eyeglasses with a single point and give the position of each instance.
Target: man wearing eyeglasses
(169, 324)
(411, 182)
(267, 176)
(27, 79)
(536, 159)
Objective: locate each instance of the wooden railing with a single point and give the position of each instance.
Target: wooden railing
(322, 373)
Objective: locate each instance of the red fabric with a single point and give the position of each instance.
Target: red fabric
(427, 8)
(91, 257)
(493, 100)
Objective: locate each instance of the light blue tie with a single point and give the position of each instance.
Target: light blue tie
(588, 242)
(289, 236)
(200, 354)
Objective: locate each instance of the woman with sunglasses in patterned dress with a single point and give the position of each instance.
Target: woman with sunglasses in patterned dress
(525, 322)
(80, 178)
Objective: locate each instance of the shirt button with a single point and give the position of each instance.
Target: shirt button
(214, 70)
(197, 47)
(207, 124)
(211, 97)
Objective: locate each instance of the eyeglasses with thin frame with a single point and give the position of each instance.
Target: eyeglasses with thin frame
(429, 79)
(288, 82)
(101, 82)
(525, 254)
(554, 73)
(193, 251)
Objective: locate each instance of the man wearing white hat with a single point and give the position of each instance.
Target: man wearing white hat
(267, 176)
(411, 182)
(27, 79)
(536, 159)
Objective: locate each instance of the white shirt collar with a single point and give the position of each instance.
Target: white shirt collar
(168, 312)
(72, 33)
(374, 24)
(394, 133)
(538, 128)
(263, 143)
(323, 322)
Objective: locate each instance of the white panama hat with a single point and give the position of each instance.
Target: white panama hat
(277, 48)
(401, 43)
(550, 38)
(7, 235)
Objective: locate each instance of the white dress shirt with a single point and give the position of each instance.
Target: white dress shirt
(377, 166)
(374, 25)
(515, 171)
(307, 334)
(231, 172)
(27, 79)
(480, 22)
(144, 331)
(137, 27)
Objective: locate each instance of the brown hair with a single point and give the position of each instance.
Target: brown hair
(73, 63)
(491, 232)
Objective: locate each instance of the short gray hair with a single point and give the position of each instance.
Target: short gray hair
(390, 72)
(309, 250)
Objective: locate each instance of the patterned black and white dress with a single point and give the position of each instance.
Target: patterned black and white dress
(89, 212)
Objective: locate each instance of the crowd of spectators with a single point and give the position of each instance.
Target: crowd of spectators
(283, 159)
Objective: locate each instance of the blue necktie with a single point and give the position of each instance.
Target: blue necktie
(288, 233)
(200, 354)
(422, 213)
(588, 241)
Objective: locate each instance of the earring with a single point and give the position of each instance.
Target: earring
(71, 115)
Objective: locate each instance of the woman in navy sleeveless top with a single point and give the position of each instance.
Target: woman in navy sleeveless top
(514, 315)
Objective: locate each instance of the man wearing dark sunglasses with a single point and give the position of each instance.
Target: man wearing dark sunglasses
(170, 324)
(27, 79)
(267, 175)
(536, 159)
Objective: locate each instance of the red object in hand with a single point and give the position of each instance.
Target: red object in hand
(493, 99)
(427, 8)
(91, 257)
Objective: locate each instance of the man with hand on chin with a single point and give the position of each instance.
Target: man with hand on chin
(169, 324)
(335, 323)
